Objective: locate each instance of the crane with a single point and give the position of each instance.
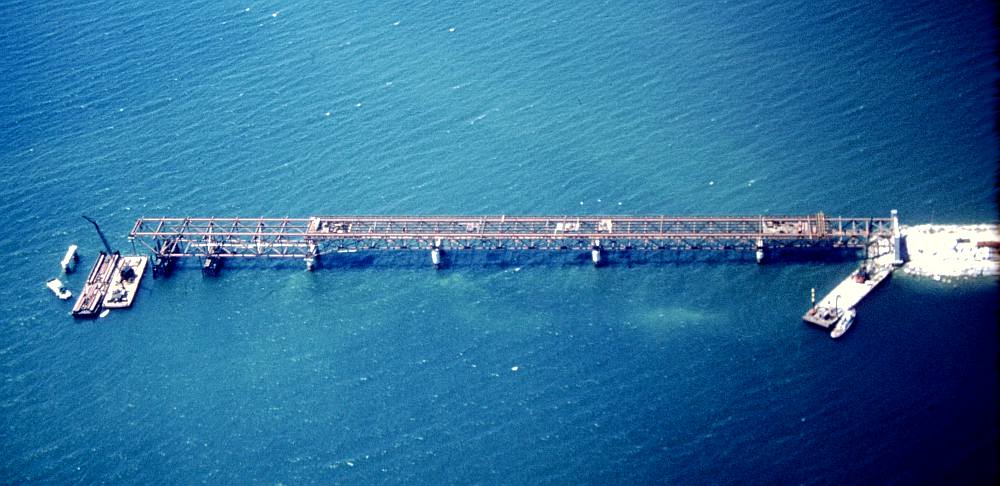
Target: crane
(104, 240)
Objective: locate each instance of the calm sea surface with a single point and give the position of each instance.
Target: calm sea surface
(510, 372)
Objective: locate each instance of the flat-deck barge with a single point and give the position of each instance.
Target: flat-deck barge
(883, 258)
(125, 282)
(109, 284)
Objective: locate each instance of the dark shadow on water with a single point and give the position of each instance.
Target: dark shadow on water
(541, 258)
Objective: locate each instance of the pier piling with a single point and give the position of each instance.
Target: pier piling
(595, 253)
(436, 254)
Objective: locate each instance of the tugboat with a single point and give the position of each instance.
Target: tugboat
(843, 322)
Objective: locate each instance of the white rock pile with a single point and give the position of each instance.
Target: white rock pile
(940, 251)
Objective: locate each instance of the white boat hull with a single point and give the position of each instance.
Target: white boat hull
(843, 323)
(56, 286)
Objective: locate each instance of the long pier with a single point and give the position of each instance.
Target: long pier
(216, 239)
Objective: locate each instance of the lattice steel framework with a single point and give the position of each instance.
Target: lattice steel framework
(170, 238)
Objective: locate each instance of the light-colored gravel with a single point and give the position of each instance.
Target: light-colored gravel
(939, 251)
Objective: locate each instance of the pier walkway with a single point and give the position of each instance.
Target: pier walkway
(216, 239)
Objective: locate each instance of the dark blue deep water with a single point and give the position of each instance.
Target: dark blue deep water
(671, 372)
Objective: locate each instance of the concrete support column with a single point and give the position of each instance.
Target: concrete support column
(436, 253)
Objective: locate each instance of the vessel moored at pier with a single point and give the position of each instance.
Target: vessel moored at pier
(112, 283)
(124, 284)
(843, 323)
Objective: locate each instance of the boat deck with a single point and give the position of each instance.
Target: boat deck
(122, 292)
(103, 280)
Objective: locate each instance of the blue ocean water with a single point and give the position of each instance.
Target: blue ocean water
(672, 372)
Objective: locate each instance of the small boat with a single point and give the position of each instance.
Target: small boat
(69, 260)
(843, 323)
(56, 286)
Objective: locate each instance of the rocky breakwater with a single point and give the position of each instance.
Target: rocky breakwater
(941, 251)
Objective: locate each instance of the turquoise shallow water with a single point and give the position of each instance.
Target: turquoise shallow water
(661, 372)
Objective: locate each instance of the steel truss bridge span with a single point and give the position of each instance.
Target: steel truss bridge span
(171, 238)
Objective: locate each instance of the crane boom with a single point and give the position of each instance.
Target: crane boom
(101, 234)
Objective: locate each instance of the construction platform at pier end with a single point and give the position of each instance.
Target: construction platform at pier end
(215, 240)
(112, 284)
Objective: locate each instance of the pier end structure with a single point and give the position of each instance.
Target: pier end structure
(882, 256)
(845, 296)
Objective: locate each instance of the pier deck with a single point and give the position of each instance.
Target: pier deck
(852, 290)
(308, 238)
